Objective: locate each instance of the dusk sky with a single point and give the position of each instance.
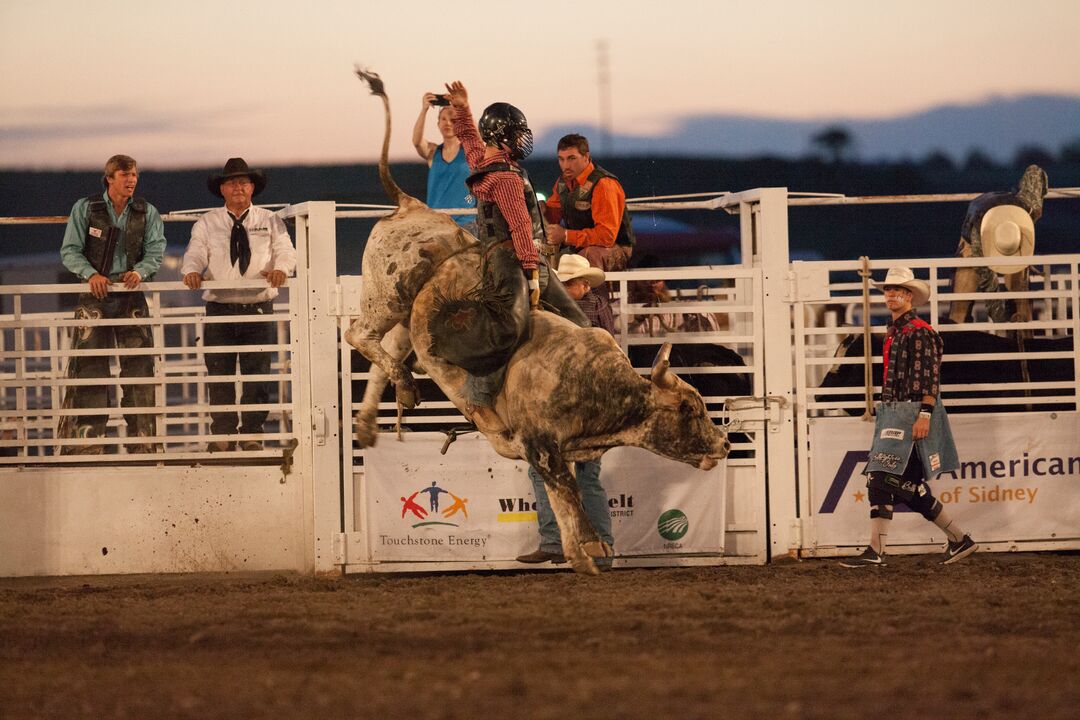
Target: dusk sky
(191, 83)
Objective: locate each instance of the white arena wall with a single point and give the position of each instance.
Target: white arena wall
(109, 520)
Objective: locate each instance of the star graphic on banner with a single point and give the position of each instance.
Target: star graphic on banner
(859, 496)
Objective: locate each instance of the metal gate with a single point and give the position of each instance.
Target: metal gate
(182, 508)
(731, 293)
(1017, 436)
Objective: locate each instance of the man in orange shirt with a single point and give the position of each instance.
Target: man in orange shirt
(591, 203)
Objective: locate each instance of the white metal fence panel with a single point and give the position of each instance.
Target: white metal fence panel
(35, 368)
(177, 507)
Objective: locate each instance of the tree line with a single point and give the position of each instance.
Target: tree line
(838, 144)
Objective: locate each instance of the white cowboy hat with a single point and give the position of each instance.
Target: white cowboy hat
(1007, 231)
(575, 266)
(903, 277)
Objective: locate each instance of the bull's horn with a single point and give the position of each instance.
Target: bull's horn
(661, 377)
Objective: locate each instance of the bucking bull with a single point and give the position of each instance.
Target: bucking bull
(569, 394)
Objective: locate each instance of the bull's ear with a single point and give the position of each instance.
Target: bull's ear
(661, 376)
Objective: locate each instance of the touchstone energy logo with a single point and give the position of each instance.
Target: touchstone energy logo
(413, 510)
(672, 525)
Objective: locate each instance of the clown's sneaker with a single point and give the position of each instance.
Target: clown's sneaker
(869, 558)
(957, 551)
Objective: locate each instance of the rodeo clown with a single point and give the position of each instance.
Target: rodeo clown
(912, 439)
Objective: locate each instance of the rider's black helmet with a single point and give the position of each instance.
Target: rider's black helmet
(504, 125)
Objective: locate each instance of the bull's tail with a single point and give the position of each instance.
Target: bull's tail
(376, 84)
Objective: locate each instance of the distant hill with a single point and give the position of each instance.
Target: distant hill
(997, 127)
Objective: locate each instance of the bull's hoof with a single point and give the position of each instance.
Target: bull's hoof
(355, 337)
(366, 434)
(407, 394)
(583, 564)
(597, 549)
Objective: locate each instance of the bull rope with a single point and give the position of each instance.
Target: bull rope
(864, 273)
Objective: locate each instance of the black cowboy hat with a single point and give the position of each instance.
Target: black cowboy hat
(234, 168)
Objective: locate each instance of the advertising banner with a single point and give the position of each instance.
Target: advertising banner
(473, 504)
(1019, 479)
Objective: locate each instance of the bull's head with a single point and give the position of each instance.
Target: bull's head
(681, 429)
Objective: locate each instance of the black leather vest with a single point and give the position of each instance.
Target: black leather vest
(102, 236)
(491, 226)
(577, 206)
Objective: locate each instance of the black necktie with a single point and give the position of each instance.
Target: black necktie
(239, 249)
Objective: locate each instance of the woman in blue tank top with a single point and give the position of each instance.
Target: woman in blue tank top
(446, 186)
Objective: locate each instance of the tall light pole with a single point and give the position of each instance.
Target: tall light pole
(603, 81)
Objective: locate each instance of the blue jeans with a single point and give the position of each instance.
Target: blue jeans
(593, 499)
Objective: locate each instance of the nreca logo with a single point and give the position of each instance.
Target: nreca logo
(432, 515)
(672, 524)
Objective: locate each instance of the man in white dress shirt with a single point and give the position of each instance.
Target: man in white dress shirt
(239, 241)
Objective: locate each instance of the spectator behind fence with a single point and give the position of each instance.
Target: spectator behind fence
(111, 237)
(446, 161)
(236, 242)
(579, 279)
(655, 293)
(591, 203)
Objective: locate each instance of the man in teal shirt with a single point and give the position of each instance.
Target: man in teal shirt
(111, 238)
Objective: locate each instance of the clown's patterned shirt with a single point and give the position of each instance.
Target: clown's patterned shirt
(912, 356)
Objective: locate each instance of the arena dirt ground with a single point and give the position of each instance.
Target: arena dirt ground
(994, 637)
